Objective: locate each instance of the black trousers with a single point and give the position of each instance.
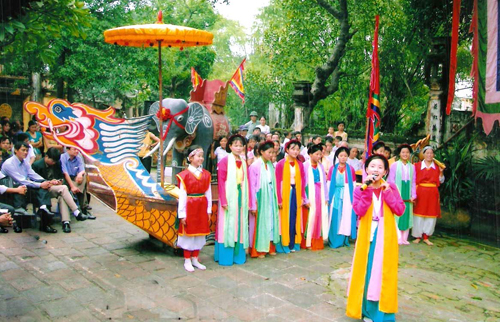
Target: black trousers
(8, 207)
(37, 196)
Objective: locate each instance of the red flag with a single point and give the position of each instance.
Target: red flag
(236, 81)
(195, 78)
(453, 55)
(474, 73)
(373, 111)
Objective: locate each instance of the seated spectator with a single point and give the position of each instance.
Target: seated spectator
(24, 138)
(50, 168)
(6, 209)
(35, 139)
(275, 137)
(16, 127)
(49, 143)
(21, 173)
(269, 137)
(6, 146)
(6, 128)
(74, 173)
(5, 152)
(341, 132)
(353, 160)
(5, 220)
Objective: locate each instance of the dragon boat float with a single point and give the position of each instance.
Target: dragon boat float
(110, 145)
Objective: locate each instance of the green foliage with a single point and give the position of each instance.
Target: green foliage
(487, 168)
(486, 174)
(95, 72)
(31, 33)
(457, 189)
(293, 37)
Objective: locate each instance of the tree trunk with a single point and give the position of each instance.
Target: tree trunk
(37, 88)
(331, 68)
(70, 93)
(60, 81)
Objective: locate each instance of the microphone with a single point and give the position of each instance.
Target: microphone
(369, 182)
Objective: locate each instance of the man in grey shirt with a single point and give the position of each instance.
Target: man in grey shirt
(252, 123)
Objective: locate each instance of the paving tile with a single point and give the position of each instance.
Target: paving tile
(62, 308)
(7, 292)
(26, 283)
(6, 265)
(109, 269)
(266, 302)
(15, 307)
(44, 294)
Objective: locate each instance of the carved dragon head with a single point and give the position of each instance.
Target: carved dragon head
(96, 133)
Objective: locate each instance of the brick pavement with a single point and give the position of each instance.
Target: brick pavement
(109, 270)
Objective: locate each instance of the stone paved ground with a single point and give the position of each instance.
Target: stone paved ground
(109, 270)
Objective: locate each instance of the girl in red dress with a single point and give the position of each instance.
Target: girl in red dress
(427, 209)
(195, 207)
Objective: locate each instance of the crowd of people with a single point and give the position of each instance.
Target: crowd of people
(34, 170)
(278, 196)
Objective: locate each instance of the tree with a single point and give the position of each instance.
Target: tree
(95, 72)
(321, 89)
(304, 40)
(297, 40)
(28, 29)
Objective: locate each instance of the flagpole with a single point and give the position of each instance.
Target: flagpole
(162, 161)
(374, 91)
(367, 143)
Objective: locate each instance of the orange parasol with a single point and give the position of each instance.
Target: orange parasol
(161, 35)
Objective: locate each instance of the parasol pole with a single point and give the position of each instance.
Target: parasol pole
(162, 160)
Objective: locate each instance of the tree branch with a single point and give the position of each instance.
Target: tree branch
(331, 67)
(331, 10)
